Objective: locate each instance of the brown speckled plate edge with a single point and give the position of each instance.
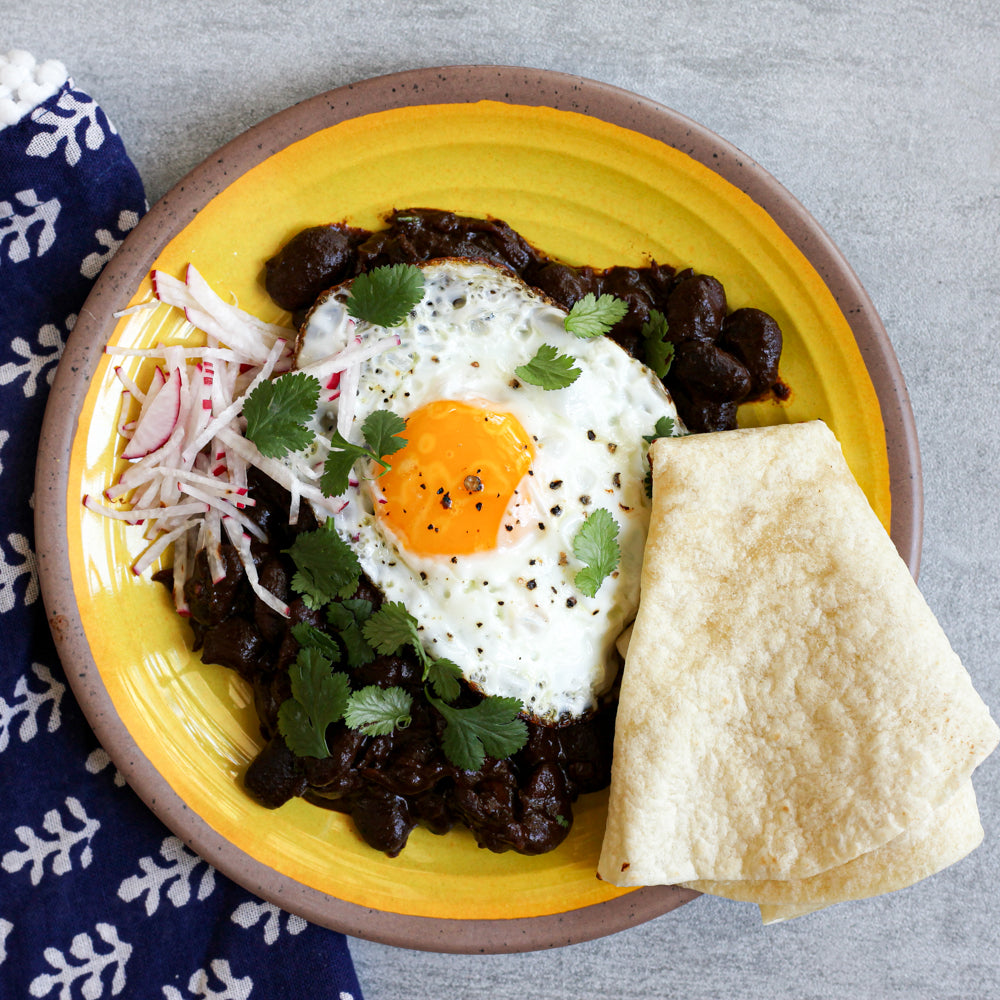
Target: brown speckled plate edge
(457, 84)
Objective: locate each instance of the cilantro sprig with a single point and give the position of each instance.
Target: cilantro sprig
(277, 411)
(593, 315)
(548, 369)
(392, 627)
(319, 698)
(658, 352)
(379, 431)
(277, 415)
(491, 727)
(596, 544)
(378, 711)
(385, 295)
(665, 427)
(348, 618)
(310, 637)
(327, 573)
(326, 566)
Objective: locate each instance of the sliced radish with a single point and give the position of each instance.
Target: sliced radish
(226, 312)
(156, 383)
(186, 482)
(153, 429)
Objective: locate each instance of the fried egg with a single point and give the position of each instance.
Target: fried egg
(472, 528)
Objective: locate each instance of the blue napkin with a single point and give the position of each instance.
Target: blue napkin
(97, 898)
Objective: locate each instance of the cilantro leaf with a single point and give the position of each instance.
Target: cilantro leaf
(339, 462)
(384, 296)
(348, 617)
(442, 675)
(392, 627)
(665, 427)
(596, 544)
(326, 566)
(378, 711)
(359, 608)
(276, 412)
(659, 352)
(492, 727)
(548, 369)
(380, 429)
(310, 637)
(592, 316)
(659, 356)
(318, 699)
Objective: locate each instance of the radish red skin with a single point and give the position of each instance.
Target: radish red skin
(154, 428)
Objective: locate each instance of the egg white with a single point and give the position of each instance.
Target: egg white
(511, 617)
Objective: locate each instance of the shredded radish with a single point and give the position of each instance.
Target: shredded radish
(217, 318)
(353, 354)
(182, 546)
(137, 515)
(241, 542)
(139, 307)
(277, 471)
(157, 548)
(159, 351)
(350, 378)
(293, 506)
(126, 426)
(156, 422)
(129, 385)
(226, 417)
(186, 481)
(226, 312)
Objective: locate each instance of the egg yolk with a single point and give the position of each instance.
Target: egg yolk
(447, 489)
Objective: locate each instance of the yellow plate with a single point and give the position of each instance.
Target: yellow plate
(580, 188)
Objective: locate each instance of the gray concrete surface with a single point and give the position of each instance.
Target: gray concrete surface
(884, 120)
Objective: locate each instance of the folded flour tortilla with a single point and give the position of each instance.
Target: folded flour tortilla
(789, 703)
(951, 832)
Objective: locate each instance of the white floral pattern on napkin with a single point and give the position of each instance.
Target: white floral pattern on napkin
(97, 898)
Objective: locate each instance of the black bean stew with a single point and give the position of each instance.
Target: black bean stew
(389, 784)
(721, 358)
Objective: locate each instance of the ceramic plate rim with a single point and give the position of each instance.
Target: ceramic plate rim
(435, 85)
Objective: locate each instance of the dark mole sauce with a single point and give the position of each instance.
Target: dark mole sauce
(389, 784)
(721, 358)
